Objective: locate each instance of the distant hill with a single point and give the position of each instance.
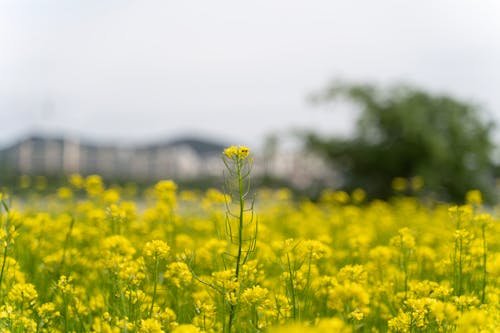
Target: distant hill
(200, 146)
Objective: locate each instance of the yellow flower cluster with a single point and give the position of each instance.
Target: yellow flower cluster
(239, 153)
(156, 249)
(94, 258)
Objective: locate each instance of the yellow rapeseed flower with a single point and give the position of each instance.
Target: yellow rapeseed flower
(240, 152)
(94, 185)
(150, 325)
(76, 180)
(156, 249)
(231, 152)
(23, 293)
(186, 328)
(165, 186)
(254, 295)
(399, 184)
(64, 193)
(474, 197)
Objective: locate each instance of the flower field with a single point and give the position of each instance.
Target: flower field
(91, 258)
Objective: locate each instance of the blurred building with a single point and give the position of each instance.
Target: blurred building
(183, 158)
(178, 159)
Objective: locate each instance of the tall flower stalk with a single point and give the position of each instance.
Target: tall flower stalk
(241, 224)
(484, 221)
(460, 215)
(155, 252)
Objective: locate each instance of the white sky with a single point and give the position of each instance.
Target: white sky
(236, 70)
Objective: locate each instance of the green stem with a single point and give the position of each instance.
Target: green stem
(460, 250)
(65, 313)
(7, 240)
(66, 243)
(405, 259)
(256, 317)
(405, 264)
(232, 309)
(240, 226)
(292, 288)
(155, 277)
(308, 284)
(224, 330)
(3, 264)
(485, 253)
(457, 259)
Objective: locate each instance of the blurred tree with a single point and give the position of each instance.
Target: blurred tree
(407, 132)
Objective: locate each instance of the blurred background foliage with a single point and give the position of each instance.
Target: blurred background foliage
(405, 132)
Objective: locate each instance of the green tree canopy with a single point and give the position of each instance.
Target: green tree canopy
(405, 132)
